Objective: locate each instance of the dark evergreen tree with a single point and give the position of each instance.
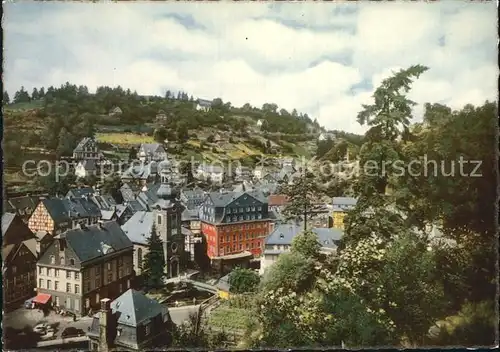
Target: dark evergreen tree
(5, 98)
(154, 261)
(132, 154)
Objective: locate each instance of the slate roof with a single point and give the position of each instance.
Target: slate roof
(62, 210)
(107, 214)
(192, 196)
(142, 171)
(343, 203)
(94, 241)
(134, 205)
(150, 196)
(284, 234)
(133, 308)
(81, 145)
(88, 164)
(19, 204)
(204, 102)
(150, 148)
(128, 192)
(190, 214)
(7, 219)
(79, 192)
(138, 227)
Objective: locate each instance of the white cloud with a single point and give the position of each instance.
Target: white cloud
(309, 56)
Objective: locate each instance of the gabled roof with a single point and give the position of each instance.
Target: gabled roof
(133, 308)
(62, 210)
(284, 234)
(79, 192)
(138, 227)
(150, 148)
(343, 203)
(204, 103)
(96, 240)
(21, 203)
(14, 237)
(82, 144)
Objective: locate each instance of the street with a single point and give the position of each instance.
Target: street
(21, 317)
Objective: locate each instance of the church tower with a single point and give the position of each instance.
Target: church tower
(167, 218)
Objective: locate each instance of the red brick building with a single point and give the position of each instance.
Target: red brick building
(234, 222)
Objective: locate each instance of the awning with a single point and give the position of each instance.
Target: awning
(42, 298)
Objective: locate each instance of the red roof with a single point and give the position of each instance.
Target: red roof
(277, 200)
(42, 298)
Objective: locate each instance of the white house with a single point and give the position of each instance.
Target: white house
(86, 168)
(280, 241)
(213, 172)
(203, 105)
(116, 111)
(151, 152)
(87, 149)
(258, 172)
(259, 123)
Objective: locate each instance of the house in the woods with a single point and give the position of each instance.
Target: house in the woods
(340, 207)
(115, 111)
(86, 168)
(131, 322)
(203, 105)
(161, 115)
(87, 149)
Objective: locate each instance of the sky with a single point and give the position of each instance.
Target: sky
(323, 59)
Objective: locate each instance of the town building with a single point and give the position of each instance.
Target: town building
(203, 105)
(213, 173)
(142, 173)
(151, 152)
(280, 241)
(192, 198)
(18, 261)
(161, 115)
(235, 222)
(55, 215)
(85, 264)
(340, 208)
(86, 168)
(86, 149)
(22, 206)
(131, 322)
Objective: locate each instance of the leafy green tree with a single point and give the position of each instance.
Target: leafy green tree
(301, 193)
(160, 134)
(243, 280)
(66, 143)
(22, 96)
(111, 186)
(132, 154)
(154, 261)
(306, 244)
(5, 98)
(290, 272)
(182, 133)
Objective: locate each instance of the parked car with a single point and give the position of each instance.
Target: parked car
(28, 303)
(72, 332)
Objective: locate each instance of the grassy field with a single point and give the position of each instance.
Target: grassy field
(24, 106)
(123, 138)
(228, 318)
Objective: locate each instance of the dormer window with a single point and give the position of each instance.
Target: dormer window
(52, 259)
(72, 261)
(61, 260)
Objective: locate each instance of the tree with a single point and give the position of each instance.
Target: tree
(182, 133)
(306, 244)
(160, 134)
(22, 96)
(41, 93)
(111, 186)
(187, 171)
(301, 193)
(168, 94)
(210, 138)
(65, 145)
(5, 98)
(243, 280)
(154, 261)
(34, 94)
(132, 154)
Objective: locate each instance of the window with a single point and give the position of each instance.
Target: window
(120, 273)
(56, 272)
(68, 274)
(110, 276)
(72, 261)
(128, 270)
(40, 270)
(56, 285)
(77, 276)
(159, 220)
(227, 238)
(87, 286)
(139, 258)
(148, 329)
(57, 301)
(85, 274)
(68, 287)
(97, 297)
(259, 208)
(52, 259)
(120, 260)
(247, 245)
(241, 246)
(109, 265)
(40, 283)
(49, 284)
(259, 216)
(49, 272)
(96, 271)
(97, 283)
(241, 236)
(77, 288)
(246, 236)
(121, 287)
(222, 239)
(128, 283)
(14, 269)
(61, 260)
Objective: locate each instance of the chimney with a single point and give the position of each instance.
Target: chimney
(105, 325)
